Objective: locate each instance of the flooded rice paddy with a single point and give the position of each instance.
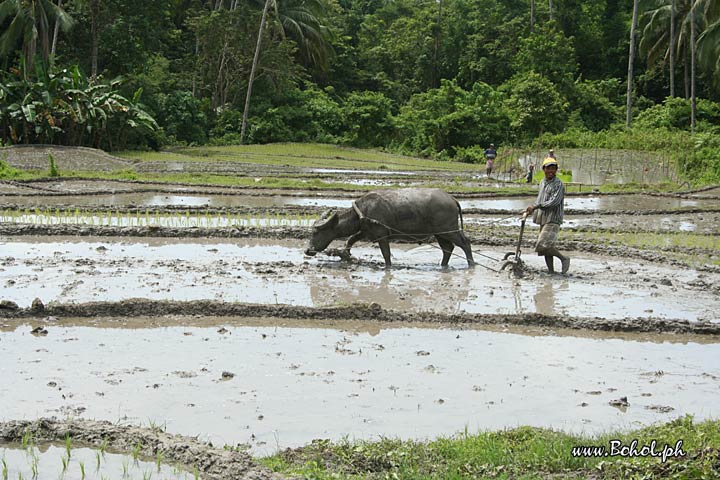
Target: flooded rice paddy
(276, 272)
(51, 461)
(223, 200)
(273, 384)
(707, 224)
(272, 380)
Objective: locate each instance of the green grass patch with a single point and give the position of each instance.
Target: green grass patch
(523, 452)
(305, 155)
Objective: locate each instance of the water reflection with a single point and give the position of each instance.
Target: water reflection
(546, 296)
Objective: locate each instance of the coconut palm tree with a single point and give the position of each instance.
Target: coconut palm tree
(708, 44)
(666, 29)
(301, 21)
(29, 25)
(252, 71)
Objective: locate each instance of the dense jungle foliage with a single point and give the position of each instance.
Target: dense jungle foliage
(439, 78)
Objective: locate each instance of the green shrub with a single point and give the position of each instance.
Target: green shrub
(473, 154)
(53, 166)
(6, 171)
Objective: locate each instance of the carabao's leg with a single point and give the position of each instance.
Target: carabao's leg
(461, 240)
(467, 248)
(385, 249)
(352, 240)
(447, 247)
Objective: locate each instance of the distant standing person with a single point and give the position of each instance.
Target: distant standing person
(551, 154)
(547, 211)
(490, 154)
(530, 173)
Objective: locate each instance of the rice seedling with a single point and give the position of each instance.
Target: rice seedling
(158, 460)
(4, 469)
(68, 445)
(196, 473)
(103, 447)
(34, 469)
(97, 461)
(147, 475)
(136, 452)
(125, 468)
(64, 460)
(26, 441)
(82, 470)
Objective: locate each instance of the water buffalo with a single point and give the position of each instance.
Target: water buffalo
(409, 214)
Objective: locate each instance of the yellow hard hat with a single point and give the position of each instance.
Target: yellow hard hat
(549, 161)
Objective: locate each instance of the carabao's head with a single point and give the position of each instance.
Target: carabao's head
(323, 232)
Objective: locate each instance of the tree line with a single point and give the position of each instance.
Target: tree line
(441, 78)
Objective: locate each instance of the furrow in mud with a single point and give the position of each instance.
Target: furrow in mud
(368, 312)
(211, 462)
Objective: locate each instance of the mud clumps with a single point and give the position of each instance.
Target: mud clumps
(212, 463)
(363, 312)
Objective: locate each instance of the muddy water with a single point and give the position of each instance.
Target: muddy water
(274, 385)
(276, 272)
(707, 223)
(589, 203)
(51, 461)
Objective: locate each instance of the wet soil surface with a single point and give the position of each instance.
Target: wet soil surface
(197, 328)
(271, 383)
(211, 462)
(275, 272)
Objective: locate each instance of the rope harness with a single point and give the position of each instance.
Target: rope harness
(420, 238)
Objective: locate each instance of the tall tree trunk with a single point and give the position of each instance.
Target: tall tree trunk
(53, 49)
(672, 48)
(532, 15)
(436, 60)
(252, 71)
(693, 106)
(550, 6)
(686, 74)
(195, 71)
(95, 33)
(631, 62)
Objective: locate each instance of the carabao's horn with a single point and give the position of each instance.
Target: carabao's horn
(324, 219)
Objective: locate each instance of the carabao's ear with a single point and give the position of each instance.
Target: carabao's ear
(327, 219)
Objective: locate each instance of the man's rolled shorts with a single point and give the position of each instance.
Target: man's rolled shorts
(547, 237)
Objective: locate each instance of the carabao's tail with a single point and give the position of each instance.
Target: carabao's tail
(462, 226)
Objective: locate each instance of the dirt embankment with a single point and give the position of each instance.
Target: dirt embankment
(212, 463)
(364, 312)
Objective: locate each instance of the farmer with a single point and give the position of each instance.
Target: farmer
(547, 211)
(551, 154)
(490, 154)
